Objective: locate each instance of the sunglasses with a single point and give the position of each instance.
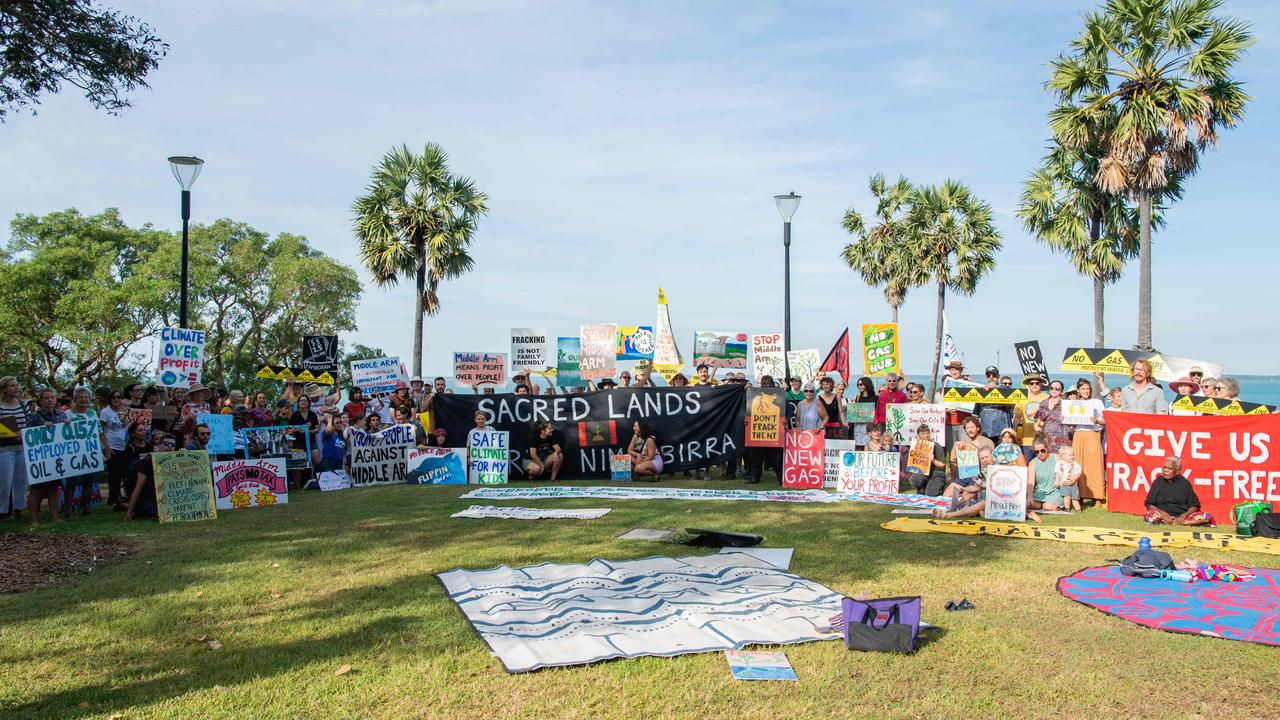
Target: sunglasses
(1034, 382)
(1006, 383)
(1042, 451)
(168, 443)
(1055, 387)
(809, 392)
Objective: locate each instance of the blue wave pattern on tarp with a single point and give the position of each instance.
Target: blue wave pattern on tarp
(550, 615)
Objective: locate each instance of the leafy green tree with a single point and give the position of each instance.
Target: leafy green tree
(73, 298)
(416, 220)
(44, 43)
(879, 255)
(954, 240)
(1163, 68)
(257, 296)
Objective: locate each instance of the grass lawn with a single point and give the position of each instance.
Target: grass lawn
(295, 592)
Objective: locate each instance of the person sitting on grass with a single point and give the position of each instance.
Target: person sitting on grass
(971, 499)
(546, 452)
(1043, 492)
(645, 457)
(933, 482)
(1067, 477)
(141, 481)
(1172, 500)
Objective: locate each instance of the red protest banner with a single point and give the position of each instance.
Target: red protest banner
(802, 460)
(1228, 460)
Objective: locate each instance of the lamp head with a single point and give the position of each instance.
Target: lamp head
(787, 205)
(186, 169)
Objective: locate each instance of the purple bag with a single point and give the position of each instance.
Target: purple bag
(882, 625)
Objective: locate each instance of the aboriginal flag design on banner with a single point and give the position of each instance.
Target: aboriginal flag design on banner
(598, 433)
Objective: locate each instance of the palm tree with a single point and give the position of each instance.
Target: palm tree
(953, 240)
(878, 254)
(1063, 206)
(1172, 62)
(416, 219)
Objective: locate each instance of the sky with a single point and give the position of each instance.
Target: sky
(627, 146)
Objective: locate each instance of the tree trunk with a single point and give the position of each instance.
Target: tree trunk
(419, 310)
(1098, 335)
(1144, 273)
(937, 349)
(894, 312)
(1095, 232)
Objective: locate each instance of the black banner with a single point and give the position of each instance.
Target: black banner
(695, 427)
(1030, 360)
(320, 353)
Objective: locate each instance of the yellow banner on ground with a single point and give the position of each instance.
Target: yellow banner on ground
(1090, 535)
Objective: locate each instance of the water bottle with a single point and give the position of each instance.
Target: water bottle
(1144, 543)
(1178, 575)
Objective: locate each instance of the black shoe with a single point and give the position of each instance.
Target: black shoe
(964, 605)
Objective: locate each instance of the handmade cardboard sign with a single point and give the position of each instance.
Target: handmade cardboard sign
(180, 356)
(803, 363)
(720, 349)
(598, 357)
(568, 373)
(666, 354)
(184, 486)
(249, 483)
(902, 419)
(620, 468)
(920, 457)
(765, 427)
(767, 357)
(63, 450)
(472, 369)
(635, 342)
(490, 456)
(380, 458)
(868, 472)
(802, 459)
(528, 348)
(833, 452)
(222, 438)
(320, 354)
(967, 460)
(1076, 412)
(1006, 493)
(860, 412)
(142, 416)
(376, 376)
(880, 351)
(437, 466)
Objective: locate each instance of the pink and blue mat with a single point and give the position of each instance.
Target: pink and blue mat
(1247, 611)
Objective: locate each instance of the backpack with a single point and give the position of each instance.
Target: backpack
(1146, 563)
(1266, 525)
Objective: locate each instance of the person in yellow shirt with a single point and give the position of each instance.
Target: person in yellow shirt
(1034, 383)
(704, 376)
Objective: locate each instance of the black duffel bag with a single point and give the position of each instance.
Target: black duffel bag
(1266, 525)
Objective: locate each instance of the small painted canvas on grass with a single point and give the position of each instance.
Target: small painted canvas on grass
(757, 665)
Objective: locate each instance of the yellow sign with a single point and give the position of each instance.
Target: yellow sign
(279, 372)
(881, 353)
(1090, 535)
(1107, 360)
(1219, 406)
(425, 419)
(7, 433)
(994, 396)
(668, 371)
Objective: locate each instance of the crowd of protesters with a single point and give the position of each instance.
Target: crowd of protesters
(1065, 462)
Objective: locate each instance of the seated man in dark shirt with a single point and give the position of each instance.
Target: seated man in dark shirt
(546, 452)
(140, 484)
(1172, 499)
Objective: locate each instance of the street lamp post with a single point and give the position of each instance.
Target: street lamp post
(186, 169)
(787, 205)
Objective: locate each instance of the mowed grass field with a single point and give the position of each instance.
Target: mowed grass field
(296, 592)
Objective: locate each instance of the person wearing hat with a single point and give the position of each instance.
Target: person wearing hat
(1034, 383)
(606, 384)
(416, 390)
(1184, 386)
(993, 417)
(1196, 375)
(195, 402)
